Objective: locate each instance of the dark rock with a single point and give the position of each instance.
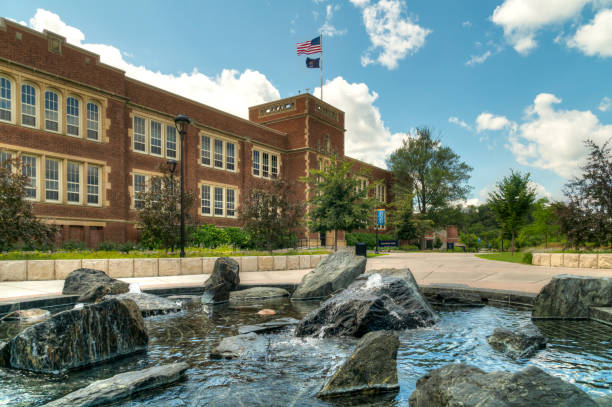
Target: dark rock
(376, 304)
(247, 345)
(605, 401)
(333, 273)
(454, 298)
(568, 296)
(5, 354)
(87, 282)
(28, 315)
(468, 386)
(150, 304)
(99, 291)
(122, 386)
(517, 343)
(186, 300)
(78, 338)
(370, 369)
(258, 293)
(224, 278)
(267, 327)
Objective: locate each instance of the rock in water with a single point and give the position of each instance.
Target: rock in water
(517, 344)
(28, 315)
(370, 369)
(80, 337)
(246, 345)
(258, 293)
(568, 296)
(270, 326)
(92, 285)
(376, 304)
(266, 312)
(224, 278)
(5, 354)
(150, 304)
(468, 386)
(334, 273)
(605, 401)
(122, 386)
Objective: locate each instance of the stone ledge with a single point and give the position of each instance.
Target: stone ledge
(573, 260)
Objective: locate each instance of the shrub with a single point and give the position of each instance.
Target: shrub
(437, 243)
(127, 246)
(73, 245)
(107, 246)
(238, 237)
(209, 236)
(368, 238)
(527, 258)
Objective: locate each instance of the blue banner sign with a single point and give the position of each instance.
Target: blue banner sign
(388, 243)
(381, 217)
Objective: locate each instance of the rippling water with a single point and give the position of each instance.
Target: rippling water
(294, 369)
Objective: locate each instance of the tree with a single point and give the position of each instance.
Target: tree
(18, 224)
(511, 202)
(338, 202)
(545, 221)
(271, 214)
(407, 225)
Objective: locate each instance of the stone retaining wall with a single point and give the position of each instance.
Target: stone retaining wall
(577, 260)
(31, 270)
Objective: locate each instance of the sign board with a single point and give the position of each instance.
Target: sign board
(388, 243)
(380, 217)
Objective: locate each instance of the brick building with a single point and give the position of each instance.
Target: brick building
(90, 137)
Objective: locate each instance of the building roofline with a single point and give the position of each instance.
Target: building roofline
(365, 163)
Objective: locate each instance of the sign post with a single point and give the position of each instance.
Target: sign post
(380, 223)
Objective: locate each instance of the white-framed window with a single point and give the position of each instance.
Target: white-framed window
(140, 134)
(93, 185)
(219, 201)
(52, 111)
(93, 121)
(52, 180)
(29, 169)
(256, 163)
(205, 199)
(265, 165)
(274, 172)
(230, 203)
(205, 150)
(381, 193)
(230, 156)
(73, 182)
(73, 117)
(218, 153)
(28, 105)
(6, 99)
(170, 142)
(5, 157)
(140, 186)
(156, 138)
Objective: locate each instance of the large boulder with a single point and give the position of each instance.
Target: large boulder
(224, 278)
(248, 345)
(92, 285)
(605, 401)
(570, 297)
(81, 337)
(258, 293)
(517, 343)
(150, 304)
(334, 273)
(370, 369)
(468, 386)
(378, 303)
(123, 385)
(28, 315)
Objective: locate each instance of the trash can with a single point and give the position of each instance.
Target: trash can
(361, 249)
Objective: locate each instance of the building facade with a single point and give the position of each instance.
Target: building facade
(90, 138)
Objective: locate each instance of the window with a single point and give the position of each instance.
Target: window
(5, 100)
(230, 151)
(140, 185)
(28, 105)
(93, 184)
(28, 168)
(73, 182)
(51, 111)
(205, 199)
(93, 121)
(52, 180)
(156, 138)
(381, 192)
(218, 201)
(205, 150)
(170, 142)
(256, 163)
(230, 198)
(265, 166)
(218, 153)
(140, 136)
(274, 166)
(72, 116)
(5, 158)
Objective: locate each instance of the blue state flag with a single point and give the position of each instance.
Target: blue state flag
(312, 62)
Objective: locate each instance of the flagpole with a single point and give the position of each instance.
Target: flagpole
(321, 67)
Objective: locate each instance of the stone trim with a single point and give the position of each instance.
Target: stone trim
(573, 260)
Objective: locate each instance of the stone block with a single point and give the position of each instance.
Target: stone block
(265, 263)
(556, 260)
(293, 262)
(121, 268)
(65, 267)
(604, 261)
(146, 268)
(208, 264)
(545, 259)
(588, 261)
(96, 264)
(169, 267)
(571, 260)
(41, 270)
(249, 263)
(191, 265)
(304, 262)
(238, 260)
(13, 270)
(280, 263)
(315, 259)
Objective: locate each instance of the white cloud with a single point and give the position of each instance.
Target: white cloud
(605, 104)
(522, 19)
(553, 139)
(595, 38)
(231, 90)
(540, 190)
(392, 34)
(488, 121)
(459, 122)
(367, 137)
(466, 23)
(328, 28)
(478, 59)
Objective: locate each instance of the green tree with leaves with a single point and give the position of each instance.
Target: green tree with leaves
(338, 202)
(545, 221)
(511, 201)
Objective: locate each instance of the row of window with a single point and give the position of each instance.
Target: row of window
(46, 181)
(265, 164)
(154, 138)
(46, 110)
(218, 153)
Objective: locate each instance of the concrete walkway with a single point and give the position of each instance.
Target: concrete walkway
(453, 269)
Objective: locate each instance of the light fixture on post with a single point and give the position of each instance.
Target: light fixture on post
(171, 167)
(182, 125)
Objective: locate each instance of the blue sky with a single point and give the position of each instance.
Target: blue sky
(507, 83)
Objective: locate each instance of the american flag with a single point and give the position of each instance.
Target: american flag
(310, 47)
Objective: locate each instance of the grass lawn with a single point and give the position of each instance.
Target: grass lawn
(505, 256)
(369, 255)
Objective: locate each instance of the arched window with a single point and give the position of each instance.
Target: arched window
(28, 105)
(6, 98)
(93, 121)
(72, 116)
(51, 111)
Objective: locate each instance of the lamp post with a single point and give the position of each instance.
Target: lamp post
(182, 124)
